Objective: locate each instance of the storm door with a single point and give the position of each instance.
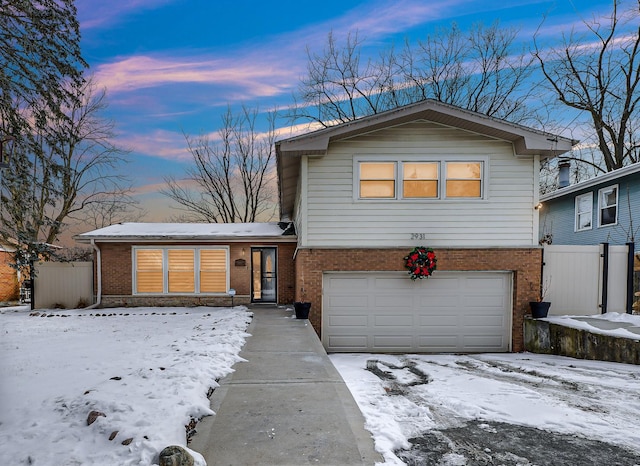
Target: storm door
(263, 275)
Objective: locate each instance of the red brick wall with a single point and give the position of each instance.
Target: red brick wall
(525, 264)
(117, 277)
(9, 289)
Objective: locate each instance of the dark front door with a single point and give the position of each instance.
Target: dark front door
(263, 275)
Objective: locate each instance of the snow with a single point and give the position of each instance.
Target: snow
(610, 323)
(183, 231)
(147, 369)
(592, 399)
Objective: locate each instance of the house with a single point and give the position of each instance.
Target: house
(363, 194)
(9, 286)
(605, 209)
(165, 264)
(601, 211)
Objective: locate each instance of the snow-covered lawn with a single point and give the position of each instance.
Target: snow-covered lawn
(147, 369)
(406, 396)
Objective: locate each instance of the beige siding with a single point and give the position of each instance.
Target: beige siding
(505, 217)
(63, 284)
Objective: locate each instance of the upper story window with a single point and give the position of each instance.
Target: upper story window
(166, 270)
(420, 180)
(464, 179)
(377, 180)
(584, 211)
(608, 206)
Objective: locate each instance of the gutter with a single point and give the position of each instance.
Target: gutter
(98, 275)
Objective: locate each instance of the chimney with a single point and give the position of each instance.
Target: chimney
(563, 173)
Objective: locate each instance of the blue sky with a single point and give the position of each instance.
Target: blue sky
(173, 66)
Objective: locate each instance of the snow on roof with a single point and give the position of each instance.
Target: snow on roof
(183, 231)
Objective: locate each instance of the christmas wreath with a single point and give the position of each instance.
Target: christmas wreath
(421, 262)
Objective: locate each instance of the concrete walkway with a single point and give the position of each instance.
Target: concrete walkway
(287, 405)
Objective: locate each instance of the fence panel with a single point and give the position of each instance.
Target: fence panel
(573, 278)
(64, 284)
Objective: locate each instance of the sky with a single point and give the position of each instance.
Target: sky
(148, 382)
(173, 67)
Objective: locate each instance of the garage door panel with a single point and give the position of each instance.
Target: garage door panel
(386, 311)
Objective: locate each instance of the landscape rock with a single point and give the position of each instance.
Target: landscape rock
(93, 415)
(175, 455)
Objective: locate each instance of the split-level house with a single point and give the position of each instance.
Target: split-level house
(363, 194)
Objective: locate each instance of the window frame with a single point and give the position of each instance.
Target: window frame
(399, 162)
(601, 207)
(577, 213)
(165, 270)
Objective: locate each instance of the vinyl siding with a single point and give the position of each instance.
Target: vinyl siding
(558, 216)
(335, 217)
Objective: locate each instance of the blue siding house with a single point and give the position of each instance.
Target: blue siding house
(605, 209)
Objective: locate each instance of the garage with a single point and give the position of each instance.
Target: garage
(388, 312)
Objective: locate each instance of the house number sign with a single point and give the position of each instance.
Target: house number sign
(418, 236)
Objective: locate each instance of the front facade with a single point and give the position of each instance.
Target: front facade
(363, 194)
(605, 209)
(160, 264)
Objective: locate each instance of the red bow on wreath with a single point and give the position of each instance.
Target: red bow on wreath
(421, 262)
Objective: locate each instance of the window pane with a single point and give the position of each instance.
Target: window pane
(459, 188)
(420, 171)
(420, 189)
(149, 275)
(213, 271)
(608, 216)
(584, 221)
(608, 206)
(609, 198)
(378, 189)
(377, 171)
(584, 204)
(181, 273)
(420, 180)
(463, 170)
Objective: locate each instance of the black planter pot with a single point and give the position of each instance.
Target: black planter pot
(302, 309)
(539, 309)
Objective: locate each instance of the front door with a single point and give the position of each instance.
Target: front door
(263, 275)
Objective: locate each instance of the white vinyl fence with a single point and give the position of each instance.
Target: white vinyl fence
(573, 279)
(67, 285)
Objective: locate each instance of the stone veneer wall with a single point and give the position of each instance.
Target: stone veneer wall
(525, 263)
(9, 289)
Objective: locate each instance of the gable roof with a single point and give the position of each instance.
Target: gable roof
(526, 141)
(609, 177)
(131, 232)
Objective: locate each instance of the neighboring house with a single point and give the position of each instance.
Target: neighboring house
(363, 194)
(9, 286)
(605, 209)
(147, 264)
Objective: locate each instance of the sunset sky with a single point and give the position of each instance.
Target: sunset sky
(173, 66)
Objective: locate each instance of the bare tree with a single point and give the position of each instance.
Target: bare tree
(62, 170)
(233, 177)
(598, 75)
(480, 71)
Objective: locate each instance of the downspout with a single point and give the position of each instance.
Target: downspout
(98, 275)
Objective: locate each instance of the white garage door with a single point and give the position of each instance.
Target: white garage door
(388, 312)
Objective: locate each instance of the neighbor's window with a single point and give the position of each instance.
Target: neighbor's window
(608, 205)
(180, 270)
(584, 211)
(420, 179)
(377, 180)
(464, 179)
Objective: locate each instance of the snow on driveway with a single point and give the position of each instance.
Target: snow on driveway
(147, 369)
(409, 396)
